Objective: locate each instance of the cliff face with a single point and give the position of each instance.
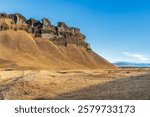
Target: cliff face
(31, 44)
(61, 35)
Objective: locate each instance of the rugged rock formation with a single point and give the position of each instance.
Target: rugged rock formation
(61, 35)
(3, 15)
(17, 18)
(32, 44)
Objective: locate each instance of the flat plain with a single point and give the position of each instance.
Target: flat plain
(128, 84)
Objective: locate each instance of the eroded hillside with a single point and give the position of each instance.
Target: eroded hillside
(31, 44)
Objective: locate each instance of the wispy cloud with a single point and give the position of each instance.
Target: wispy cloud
(140, 57)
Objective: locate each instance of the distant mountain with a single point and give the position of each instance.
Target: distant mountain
(130, 64)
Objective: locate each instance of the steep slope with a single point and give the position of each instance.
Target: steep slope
(21, 50)
(32, 44)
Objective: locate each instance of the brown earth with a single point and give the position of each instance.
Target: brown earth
(75, 84)
(21, 50)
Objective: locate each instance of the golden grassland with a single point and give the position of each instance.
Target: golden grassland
(20, 50)
(75, 84)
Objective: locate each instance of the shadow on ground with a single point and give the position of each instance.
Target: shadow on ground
(133, 88)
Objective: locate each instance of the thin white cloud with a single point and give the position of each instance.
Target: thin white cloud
(140, 57)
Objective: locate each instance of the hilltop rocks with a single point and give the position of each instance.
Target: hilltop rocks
(46, 24)
(33, 23)
(17, 18)
(34, 27)
(3, 25)
(3, 15)
(61, 35)
(48, 31)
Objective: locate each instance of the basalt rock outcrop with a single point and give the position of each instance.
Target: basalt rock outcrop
(61, 35)
(32, 44)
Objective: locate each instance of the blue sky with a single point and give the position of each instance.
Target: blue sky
(118, 30)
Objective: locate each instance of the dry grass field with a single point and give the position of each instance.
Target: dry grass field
(75, 84)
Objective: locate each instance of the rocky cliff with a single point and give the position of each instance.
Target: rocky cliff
(33, 44)
(61, 35)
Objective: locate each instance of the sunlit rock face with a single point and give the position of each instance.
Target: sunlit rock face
(61, 35)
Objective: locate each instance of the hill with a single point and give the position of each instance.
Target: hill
(31, 44)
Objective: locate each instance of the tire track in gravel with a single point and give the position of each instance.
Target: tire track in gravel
(14, 81)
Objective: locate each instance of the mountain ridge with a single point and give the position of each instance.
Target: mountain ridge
(30, 44)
